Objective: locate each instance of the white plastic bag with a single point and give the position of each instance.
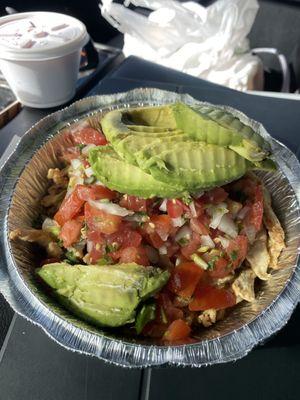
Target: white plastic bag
(205, 42)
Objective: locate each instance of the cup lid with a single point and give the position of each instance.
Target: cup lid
(40, 35)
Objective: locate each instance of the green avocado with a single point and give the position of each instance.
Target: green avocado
(106, 295)
(124, 177)
(130, 147)
(198, 165)
(205, 124)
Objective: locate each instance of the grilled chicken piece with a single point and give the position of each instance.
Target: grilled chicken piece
(42, 238)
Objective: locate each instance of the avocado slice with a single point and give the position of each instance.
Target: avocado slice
(130, 147)
(205, 124)
(124, 177)
(198, 165)
(105, 295)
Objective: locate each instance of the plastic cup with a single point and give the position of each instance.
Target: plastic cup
(41, 63)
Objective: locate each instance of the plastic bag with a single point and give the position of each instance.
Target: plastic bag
(204, 42)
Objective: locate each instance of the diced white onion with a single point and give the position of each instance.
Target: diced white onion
(227, 226)
(184, 233)
(178, 261)
(110, 208)
(163, 206)
(217, 212)
(48, 224)
(163, 250)
(163, 236)
(152, 254)
(243, 212)
(89, 246)
(179, 221)
(77, 127)
(87, 148)
(224, 242)
(76, 163)
(206, 240)
(89, 172)
(250, 233)
(193, 210)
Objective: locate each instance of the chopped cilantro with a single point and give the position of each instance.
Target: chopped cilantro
(106, 260)
(211, 263)
(109, 248)
(71, 258)
(183, 241)
(234, 255)
(80, 146)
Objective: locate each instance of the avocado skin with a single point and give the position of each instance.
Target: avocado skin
(103, 295)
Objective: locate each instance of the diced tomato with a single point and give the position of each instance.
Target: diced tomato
(237, 250)
(89, 135)
(94, 192)
(97, 252)
(221, 268)
(210, 297)
(155, 240)
(174, 208)
(177, 330)
(70, 153)
(200, 206)
(192, 246)
(185, 207)
(137, 255)
(100, 220)
(70, 232)
(172, 248)
(215, 196)
(69, 208)
(199, 227)
(154, 329)
(184, 279)
(255, 215)
(102, 192)
(125, 237)
(168, 309)
(133, 203)
(95, 236)
(162, 225)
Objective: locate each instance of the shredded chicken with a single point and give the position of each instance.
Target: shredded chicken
(58, 176)
(53, 199)
(276, 234)
(43, 238)
(208, 317)
(258, 256)
(223, 281)
(243, 286)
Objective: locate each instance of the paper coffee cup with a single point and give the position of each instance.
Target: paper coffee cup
(40, 56)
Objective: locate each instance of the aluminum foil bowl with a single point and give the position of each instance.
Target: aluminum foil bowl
(22, 184)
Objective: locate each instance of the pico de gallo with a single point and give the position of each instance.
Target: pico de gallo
(202, 240)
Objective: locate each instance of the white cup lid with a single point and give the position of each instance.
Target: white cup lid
(40, 35)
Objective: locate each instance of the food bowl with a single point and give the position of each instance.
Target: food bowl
(23, 183)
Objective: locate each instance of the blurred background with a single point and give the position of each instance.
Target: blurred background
(276, 26)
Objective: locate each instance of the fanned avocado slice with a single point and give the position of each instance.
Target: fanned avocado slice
(104, 295)
(119, 175)
(204, 124)
(132, 148)
(198, 165)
